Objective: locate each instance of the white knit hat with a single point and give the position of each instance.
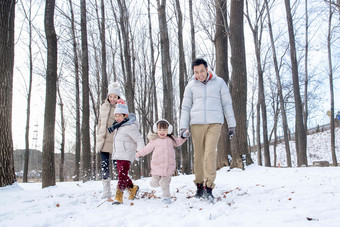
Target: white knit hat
(114, 89)
(121, 107)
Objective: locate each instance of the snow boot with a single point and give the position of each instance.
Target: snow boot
(119, 197)
(106, 188)
(133, 191)
(208, 194)
(199, 192)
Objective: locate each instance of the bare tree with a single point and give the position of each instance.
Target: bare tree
(331, 89)
(192, 32)
(300, 133)
(305, 111)
(238, 82)
(222, 70)
(257, 30)
(7, 15)
(185, 160)
(104, 86)
(77, 92)
(166, 62)
(48, 165)
(124, 28)
(153, 66)
(279, 89)
(62, 144)
(28, 17)
(87, 172)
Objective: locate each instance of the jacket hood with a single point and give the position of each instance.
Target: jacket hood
(152, 136)
(132, 119)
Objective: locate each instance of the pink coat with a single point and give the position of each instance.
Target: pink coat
(163, 161)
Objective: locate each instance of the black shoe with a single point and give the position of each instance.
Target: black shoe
(208, 194)
(199, 192)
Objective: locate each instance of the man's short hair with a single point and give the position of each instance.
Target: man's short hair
(199, 61)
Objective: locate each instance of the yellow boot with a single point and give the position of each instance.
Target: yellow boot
(133, 192)
(118, 197)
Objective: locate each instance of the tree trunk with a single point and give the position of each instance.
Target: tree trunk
(300, 134)
(48, 165)
(29, 94)
(166, 62)
(238, 82)
(330, 68)
(182, 77)
(192, 33)
(129, 85)
(258, 133)
(76, 74)
(87, 172)
(62, 144)
(279, 88)
(7, 15)
(153, 67)
(104, 87)
(305, 114)
(222, 70)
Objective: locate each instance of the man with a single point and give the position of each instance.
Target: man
(206, 99)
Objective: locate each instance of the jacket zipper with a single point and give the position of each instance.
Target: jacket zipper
(205, 103)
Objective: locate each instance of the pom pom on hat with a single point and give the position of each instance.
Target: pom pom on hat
(114, 88)
(121, 107)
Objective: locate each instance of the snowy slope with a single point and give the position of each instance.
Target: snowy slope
(318, 149)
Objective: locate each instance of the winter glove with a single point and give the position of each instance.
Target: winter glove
(185, 133)
(231, 132)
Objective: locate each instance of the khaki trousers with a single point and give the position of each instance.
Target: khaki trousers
(205, 138)
(163, 182)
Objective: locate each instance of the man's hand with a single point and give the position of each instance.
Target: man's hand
(231, 132)
(185, 133)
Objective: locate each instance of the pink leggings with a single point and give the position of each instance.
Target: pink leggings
(124, 180)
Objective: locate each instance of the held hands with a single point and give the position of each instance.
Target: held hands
(231, 132)
(185, 133)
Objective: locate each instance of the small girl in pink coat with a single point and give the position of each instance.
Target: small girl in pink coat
(163, 163)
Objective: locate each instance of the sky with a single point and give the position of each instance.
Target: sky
(38, 95)
(257, 196)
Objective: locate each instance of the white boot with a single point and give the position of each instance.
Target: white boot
(106, 188)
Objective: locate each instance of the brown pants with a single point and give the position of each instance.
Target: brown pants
(205, 139)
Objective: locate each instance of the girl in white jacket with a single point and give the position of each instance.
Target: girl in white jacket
(126, 140)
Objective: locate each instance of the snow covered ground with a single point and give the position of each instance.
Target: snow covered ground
(257, 196)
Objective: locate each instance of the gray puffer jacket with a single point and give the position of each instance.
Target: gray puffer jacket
(127, 140)
(206, 103)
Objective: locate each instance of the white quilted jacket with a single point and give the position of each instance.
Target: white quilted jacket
(207, 103)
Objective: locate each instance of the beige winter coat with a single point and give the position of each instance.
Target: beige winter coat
(106, 118)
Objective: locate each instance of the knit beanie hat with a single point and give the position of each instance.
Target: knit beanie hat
(114, 89)
(121, 107)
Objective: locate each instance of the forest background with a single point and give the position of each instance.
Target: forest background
(146, 63)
